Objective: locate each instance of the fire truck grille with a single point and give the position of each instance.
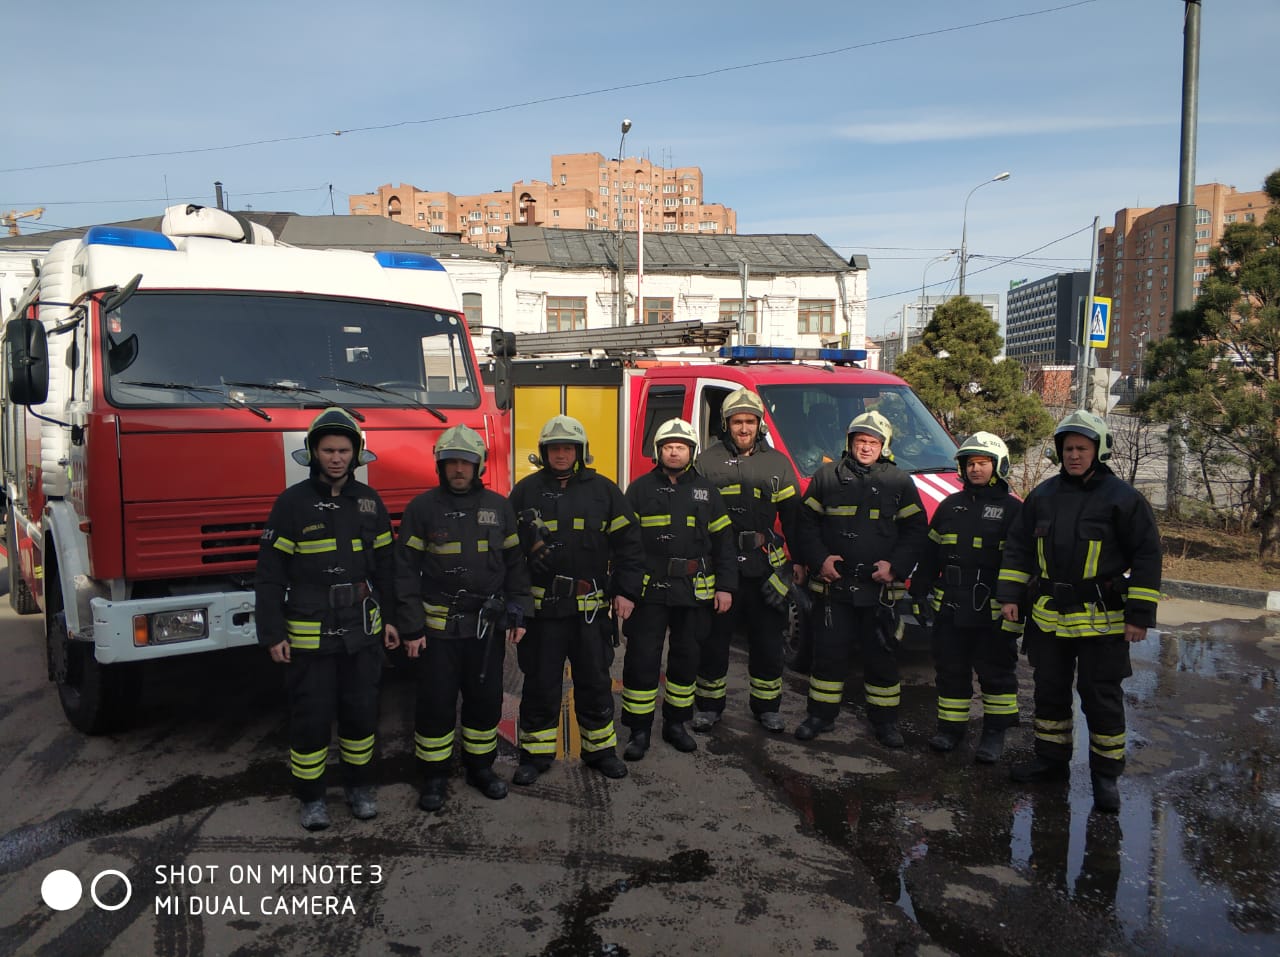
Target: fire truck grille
(232, 543)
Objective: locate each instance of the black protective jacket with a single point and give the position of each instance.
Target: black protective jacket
(1076, 539)
(325, 568)
(960, 560)
(864, 515)
(687, 535)
(585, 537)
(757, 489)
(454, 553)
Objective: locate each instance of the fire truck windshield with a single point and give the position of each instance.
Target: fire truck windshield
(284, 350)
(814, 419)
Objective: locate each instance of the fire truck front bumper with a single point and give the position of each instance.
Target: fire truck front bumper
(142, 629)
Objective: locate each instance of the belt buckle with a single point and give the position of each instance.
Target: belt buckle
(342, 595)
(748, 541)
(562, 586)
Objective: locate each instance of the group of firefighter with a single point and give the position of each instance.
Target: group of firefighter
(690, 554)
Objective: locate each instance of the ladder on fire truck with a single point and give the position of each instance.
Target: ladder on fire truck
(627, 340)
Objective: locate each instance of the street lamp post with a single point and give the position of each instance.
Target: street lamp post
(621, 312)
(964, 225)
(902, 333)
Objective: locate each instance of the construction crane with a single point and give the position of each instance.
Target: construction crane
(11, 218)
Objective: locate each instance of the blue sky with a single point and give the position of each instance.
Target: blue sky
(866, 123)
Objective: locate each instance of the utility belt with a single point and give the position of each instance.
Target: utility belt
(960, 575)
(750, 541)
(683, 567)
(1078, 594)
(562, 586)
(341, 595)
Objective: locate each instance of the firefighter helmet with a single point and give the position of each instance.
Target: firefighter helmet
(873, 424)
(334, 421)
(742, 402)
(564, 430)
(675, 430)
(461, 442)
(989, 445)
(1084, 423)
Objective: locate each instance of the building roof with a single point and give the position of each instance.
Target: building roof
(363, 233)
(676, 252)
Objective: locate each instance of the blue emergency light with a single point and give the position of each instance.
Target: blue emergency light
(396, 260)
(123, 236)
(790, 354)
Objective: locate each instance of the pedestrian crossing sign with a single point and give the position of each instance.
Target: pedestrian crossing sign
(1100, 322)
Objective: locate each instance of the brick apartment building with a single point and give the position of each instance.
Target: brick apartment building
(1135, 266)
(585, 191)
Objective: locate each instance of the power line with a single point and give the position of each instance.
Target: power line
(540, 101)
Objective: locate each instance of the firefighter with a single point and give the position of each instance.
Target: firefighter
(575, 529)
(758, 485)
(462, 587)
(325, 571)
(861, 532)
(956, 581)
(1089, 541)
(690, 570)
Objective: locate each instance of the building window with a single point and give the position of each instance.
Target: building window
(437, 228)
(476, 216)
(669, 187)
(563, 179)
(565, 313)
(604, 190)
(422, 215)
(1202, 234)
(495, 229)
(1229, 218)
(1203, 217)
(472, 306)
(668, 227)
(477, 230)
(688, 201)
(1248, 217)
(555, 214)
(506, 216)
(591, 213)
(731, 311)
(816, 316)
(657, 310)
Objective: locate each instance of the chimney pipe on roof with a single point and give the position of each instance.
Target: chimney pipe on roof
(217, 190)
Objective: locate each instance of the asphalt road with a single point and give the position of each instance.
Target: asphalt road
(755, 844)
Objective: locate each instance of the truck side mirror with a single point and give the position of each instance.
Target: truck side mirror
(503, 346)
(26, 361)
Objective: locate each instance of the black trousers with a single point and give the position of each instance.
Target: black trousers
(448, 667)
(838, 629)
(961, 651)
(646, 632)
(763, 626)
(542, 654)
(321, 687)
(1097, 667)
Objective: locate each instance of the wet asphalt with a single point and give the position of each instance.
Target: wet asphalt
(755, 843)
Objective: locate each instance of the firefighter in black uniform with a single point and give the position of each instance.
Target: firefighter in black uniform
(861, 532)
(1078, 535)
(956, 577)
(575, 528)
(325, 571)
(758, 485)
(462, 587)
(691, 569)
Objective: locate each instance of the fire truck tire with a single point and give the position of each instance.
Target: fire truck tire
(797, 647)
(20, 597)
(96, 698)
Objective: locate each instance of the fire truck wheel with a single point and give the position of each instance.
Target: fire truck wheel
(96, 698)
(797, 648)
(20, 597)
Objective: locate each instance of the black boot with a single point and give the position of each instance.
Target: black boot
(990, 747)
(527, 773)
(888, 735)
(433, 793)
(812, 726)
(638, 745)
(678, 736)
(609, 765)
(1038, 770)
(949, 735)
(487, 783)
(1106, 793)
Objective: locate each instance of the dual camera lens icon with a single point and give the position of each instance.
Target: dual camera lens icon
(62, 889)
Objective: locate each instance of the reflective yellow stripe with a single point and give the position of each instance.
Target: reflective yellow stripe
(885, 697)
(475, 741)
(415, 543)
(953, 709)
(841, 510)
(444, 548)
(719, 523)
(620, 522)
(1013, 575)
(1091, 559)
(704, 586)
(304, 635)
(482, 545)
(383, 540)
(814, 505)
(948, 538)
(977, 542)
(599, 739)
(318, 546)
(934, 536)
(712, 687)
(734, 489)
(1142, 594)
(1044, 566)
(765, 689)
(908, 511)
(783, 494)
(356, 752)
(873, 514)
(1092, 622)
(654, 521)
(639, 702)
(826, 692)
(437, 616)
(539, 742)
(1000, 704)
(308, 766)
(1053, 731)
(285, 545)
(357, 545)
(1107, 745)
(433, 749)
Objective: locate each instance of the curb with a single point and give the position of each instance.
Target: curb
(1222, 594)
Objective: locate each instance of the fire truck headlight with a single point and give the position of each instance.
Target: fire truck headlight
(185, 624)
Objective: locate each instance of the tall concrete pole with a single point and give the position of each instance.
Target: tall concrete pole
(620, 314)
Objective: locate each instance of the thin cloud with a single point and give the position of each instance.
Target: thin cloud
(951, 127)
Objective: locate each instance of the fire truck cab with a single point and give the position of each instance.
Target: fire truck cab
(155, 385)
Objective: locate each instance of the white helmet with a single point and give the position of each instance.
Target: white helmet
(876, 425)
(1084, 423)
(675, 430)
(989, 445)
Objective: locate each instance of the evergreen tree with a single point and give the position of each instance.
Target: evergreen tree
(954, 371)
(1216, 376)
